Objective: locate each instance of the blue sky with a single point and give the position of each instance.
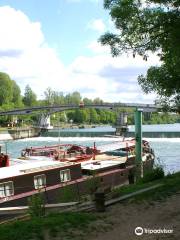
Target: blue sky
(64, 23)
(53, 43)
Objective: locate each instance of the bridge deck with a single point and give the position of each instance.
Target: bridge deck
(59, 108)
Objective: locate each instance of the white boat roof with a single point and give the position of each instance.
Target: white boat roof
(30, 167)
(96, 165)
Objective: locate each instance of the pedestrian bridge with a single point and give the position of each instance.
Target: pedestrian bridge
(59, 108)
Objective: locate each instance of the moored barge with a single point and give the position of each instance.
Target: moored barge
(49, 175)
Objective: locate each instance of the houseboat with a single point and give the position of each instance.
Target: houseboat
(43, 171)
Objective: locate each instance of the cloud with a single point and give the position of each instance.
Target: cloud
(112, 79)
(17, 31)
(10, 52)
(97, 25)
(25, 54)
(27, 58)
(97, 48)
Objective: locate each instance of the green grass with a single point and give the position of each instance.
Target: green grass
(170, 185)
(74, 226)
(62, 224)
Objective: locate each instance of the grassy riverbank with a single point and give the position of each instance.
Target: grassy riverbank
(68, 226)
(65, 225)
(170, 185)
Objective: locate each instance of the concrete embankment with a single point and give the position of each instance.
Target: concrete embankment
(18, 133)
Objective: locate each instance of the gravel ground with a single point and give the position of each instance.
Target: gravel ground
(120, 220)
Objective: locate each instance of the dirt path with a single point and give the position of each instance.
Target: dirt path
(120, 220)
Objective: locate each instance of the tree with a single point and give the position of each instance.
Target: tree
(97, 101)
(102, 116)
(49, 96)
(79, 115)
(53, 97)
(6, 89)
(76, 97)
(87, 101)
(16, 95)
(29, 97)
(73, 98)
(93, 116)
(149, 26)
(10, 93)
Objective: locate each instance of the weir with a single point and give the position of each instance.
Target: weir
(153, 132)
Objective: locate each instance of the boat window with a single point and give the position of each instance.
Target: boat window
(40, 181)
(6, 189)
(65, 175)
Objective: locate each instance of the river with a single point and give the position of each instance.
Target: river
(150, 131)
(167, 150)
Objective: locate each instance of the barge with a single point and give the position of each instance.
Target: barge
(52, 169)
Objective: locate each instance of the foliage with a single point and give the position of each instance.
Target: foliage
(36, 205)
(144, 27)
(126, 189)
(69, 194)
(16, 95)
(61, 224)
(87, 101)
(74, 98)
(6, 89)
(153, 175)
(30, 98)
(80, 116)
(9, 92)
(161, 118)
(170, 185)
(93, 184)
(92, 116)
(53, 97)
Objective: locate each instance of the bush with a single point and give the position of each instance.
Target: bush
(153, 175)
(68, 194)
(36, 205)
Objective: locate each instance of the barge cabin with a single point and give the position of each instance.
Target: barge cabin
(45, 174)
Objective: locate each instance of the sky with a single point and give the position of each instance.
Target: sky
(54, 43)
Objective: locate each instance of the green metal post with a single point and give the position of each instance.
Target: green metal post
(138, 137)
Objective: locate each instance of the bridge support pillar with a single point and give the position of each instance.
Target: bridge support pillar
(121, 125)
(45, 121)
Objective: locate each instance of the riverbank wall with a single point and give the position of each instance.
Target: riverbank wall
(18, 133)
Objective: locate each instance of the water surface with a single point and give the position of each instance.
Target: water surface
(167, 150)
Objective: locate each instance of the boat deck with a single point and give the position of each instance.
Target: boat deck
(116, 145)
